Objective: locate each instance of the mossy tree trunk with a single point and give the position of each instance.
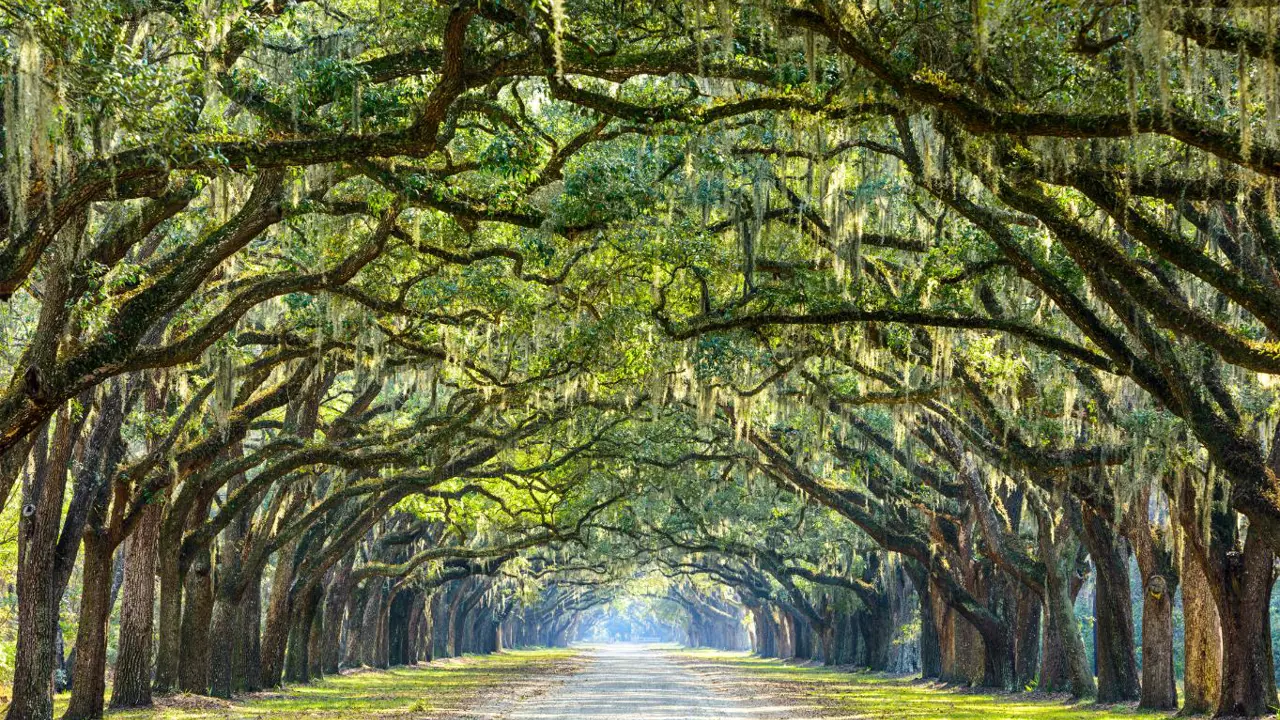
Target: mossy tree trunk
(1159, 582)
(246, 662)
(337, 598)
(197, 615)
(38, 591)
(1202, 640)
(90, 664)
(1113, 614)
(1248, 686)
(132, 685)
(279, 611)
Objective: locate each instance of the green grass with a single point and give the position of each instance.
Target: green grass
(428, 691)
(870, 696)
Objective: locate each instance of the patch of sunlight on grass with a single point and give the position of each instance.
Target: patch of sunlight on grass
(876, 696)
(403, 692)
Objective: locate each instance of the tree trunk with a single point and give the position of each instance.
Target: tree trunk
(828, 638)
(224, 628)
(1202, 640)
(1159, 582)
(877, 635)
(786, 633)
(763, 647)
(222, 640)
(98, 576)
(1001, 594)
(381, 659)
(298, 655)
(418, 628)
(38, 598)
(132, 683)
(316, 641)
(354, 640)
(246, 664)
(997, 660)
(1248, 677)
(197, 616)
(944, 618)
(399, 631)
(451, 621)
(368, 633)
(89, 669)
(1026, 652)
(335, 607)
(1159, 687)
(930, 652)
(1117, 666)
(276, 635)
(169, 636)
(1064, 663)
(427, 653)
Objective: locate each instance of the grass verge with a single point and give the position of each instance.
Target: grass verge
(822, 692)
(442, 689)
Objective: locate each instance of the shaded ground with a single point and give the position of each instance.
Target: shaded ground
(644, 682)
(439, 690)
(817, 693)
(623, 682)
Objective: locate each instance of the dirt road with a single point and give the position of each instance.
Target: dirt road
(639, 682)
